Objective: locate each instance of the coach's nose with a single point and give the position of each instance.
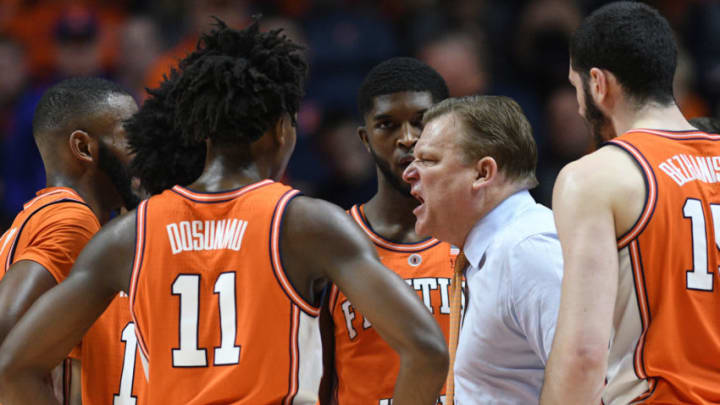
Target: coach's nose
(410, 175)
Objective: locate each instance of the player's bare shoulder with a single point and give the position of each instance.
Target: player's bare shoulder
(318, 238)
(608, 177)
(317, 224)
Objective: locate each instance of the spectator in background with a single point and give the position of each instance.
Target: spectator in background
(13, 78)
(13, 82)
(77, 45)
(233, 12)
(461, 61)
(34, 24)
(351, 178)
(687, 99)
(540, 44)
(140, 44)
(568, 139)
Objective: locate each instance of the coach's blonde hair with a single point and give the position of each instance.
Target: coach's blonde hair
(493, 126)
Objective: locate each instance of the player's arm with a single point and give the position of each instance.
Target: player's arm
(58, 320)
(23, 283)
(64, 229)
(326, 243)
(582, 205)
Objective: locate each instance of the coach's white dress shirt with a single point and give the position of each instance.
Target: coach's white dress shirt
(514, 293)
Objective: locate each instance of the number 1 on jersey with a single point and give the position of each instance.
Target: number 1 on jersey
(124, 395)
(699, 277)
(187, 286)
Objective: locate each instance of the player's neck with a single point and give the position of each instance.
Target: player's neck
(225, 173)
(389, 213)
(651, 116)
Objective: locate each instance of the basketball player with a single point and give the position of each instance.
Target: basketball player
(639, 223)
(225, 276)
(392, 100)
(78, 129)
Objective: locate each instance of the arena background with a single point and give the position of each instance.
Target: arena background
(516, 48)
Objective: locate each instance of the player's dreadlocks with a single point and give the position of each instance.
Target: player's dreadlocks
(237, 84)
(232, 89)
(160, 160)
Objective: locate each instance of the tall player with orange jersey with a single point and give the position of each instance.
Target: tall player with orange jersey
(78, 129)
(225, 275)
(360, 367)
(639, 223)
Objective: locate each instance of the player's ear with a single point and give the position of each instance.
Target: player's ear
(363, 134)
(83, 146)
(598, 85)
(283, 130)
(485, 172)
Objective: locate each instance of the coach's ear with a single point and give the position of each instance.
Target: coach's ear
(82, 146)
(485, 172)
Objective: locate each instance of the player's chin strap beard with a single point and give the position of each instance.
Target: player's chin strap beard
(119, 176)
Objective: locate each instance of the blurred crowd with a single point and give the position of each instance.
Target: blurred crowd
(516, 48)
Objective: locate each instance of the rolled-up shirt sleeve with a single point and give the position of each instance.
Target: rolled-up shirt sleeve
(535, 267)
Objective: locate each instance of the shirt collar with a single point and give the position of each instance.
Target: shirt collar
(485, 230)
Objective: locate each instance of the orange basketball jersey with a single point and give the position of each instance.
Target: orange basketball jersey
(215, 314)
(366, 366)
(51, 230)
(112, 372)
(665, 346)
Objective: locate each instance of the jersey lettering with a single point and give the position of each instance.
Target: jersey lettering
(684, 168)
(124, 395)
(188, 236)
(228, 353)
(423, 285)
(699, 277)
(349, 316)
(187, 286)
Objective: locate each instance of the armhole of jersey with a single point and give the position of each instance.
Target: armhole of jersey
(276, 257)
(650, 192)
(332, 300)
(140, 221)
(13, 246)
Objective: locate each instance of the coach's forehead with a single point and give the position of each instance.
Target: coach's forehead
(440, 133)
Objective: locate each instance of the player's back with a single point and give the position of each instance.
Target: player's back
(214, 312)
(365, 364)
(666, 336)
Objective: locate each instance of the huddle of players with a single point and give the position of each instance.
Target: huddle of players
(207, 145)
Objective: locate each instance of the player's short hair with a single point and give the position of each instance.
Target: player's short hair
(706, 124)
(160, 159)
(397, 75)
(237, 84)
(635, 43)
(493, 126)
(71, 100)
